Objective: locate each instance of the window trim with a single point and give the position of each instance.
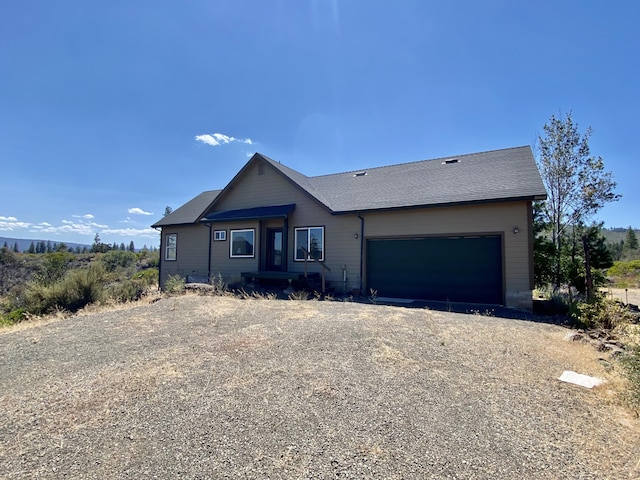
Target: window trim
(295, 243)
(253, 244)
(168, 247)
(219, 235)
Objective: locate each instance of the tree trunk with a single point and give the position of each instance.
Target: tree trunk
(587, 268)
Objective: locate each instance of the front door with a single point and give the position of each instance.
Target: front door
(274, 249)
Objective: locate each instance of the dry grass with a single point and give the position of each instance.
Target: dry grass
(215, 386)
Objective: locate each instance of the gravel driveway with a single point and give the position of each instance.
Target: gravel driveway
(215, 387)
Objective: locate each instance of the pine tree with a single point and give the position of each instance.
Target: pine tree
(132, 247)
(15, 247)
(122, 247)
(32, 248)
(630, 240)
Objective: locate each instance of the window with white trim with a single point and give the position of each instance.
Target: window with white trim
(311, 239)
(242, 243)
(171, 247)
(219, 235)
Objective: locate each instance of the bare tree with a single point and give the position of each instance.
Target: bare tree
(576, 182)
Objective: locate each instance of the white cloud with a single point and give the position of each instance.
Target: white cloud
(138, 211)
(11, 223)
(86, 216)
(132, 232)
(215, 139)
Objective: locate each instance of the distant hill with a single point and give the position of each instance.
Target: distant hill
(614, 235)
(24, 244)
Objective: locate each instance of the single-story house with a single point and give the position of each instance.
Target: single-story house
(455, 229)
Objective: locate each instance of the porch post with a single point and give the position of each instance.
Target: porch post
(285, 244)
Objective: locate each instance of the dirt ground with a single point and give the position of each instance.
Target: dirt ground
(216, 387)
(629, 295)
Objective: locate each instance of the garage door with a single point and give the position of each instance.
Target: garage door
(456, 269)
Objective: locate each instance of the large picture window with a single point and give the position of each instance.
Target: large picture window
(311, 239)
(242, 243)
(171, 247)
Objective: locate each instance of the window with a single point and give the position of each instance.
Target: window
(242, 242)
(219, 235)
(171, 246)
(312, 239)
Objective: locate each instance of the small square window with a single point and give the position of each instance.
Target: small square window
(219, 235)
(242, 243)
(171, 247)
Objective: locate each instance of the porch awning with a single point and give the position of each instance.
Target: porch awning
(274, 211)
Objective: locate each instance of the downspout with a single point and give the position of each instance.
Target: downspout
(361, 251)
(209, 258)
(285, 245)
(160, 261)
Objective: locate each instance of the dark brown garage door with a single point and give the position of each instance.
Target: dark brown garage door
(455, 269)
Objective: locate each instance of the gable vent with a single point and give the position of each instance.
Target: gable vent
(451, 161)
(360, 174)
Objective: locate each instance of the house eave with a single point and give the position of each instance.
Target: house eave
(441, 205)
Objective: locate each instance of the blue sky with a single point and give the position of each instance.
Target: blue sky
(110, 111)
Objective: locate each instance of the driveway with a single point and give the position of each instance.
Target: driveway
(216, 387)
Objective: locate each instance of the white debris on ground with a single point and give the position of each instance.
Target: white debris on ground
(580, 379)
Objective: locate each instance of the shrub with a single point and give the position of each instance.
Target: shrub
(114, 259)
(218, 283)
(126, 291)
(621, 269)
(148, 277)
(601, 313)
(77, 289)
(174, 285)
(625, 274)
(299, 295)
(12, 317)
(147, 259)
(54, 267)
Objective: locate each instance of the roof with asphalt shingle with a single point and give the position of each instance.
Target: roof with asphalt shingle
(497, 175)
(507, 174)
(190, 212)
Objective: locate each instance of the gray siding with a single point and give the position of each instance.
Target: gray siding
(191, 253)
(272, 188)
(259, 187)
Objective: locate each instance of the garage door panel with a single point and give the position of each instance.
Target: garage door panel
(458, 269)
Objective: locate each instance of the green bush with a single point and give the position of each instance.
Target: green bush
(54, 266)
(12, 317)
(600, 313)
(148, 259)
(114, 259)
(622, 269)
(148, 277)
(77, 289)
(129, 290)
(174, 285)
(126, 291)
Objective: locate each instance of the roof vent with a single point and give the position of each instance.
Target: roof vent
(450, 161)
(360, 174)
